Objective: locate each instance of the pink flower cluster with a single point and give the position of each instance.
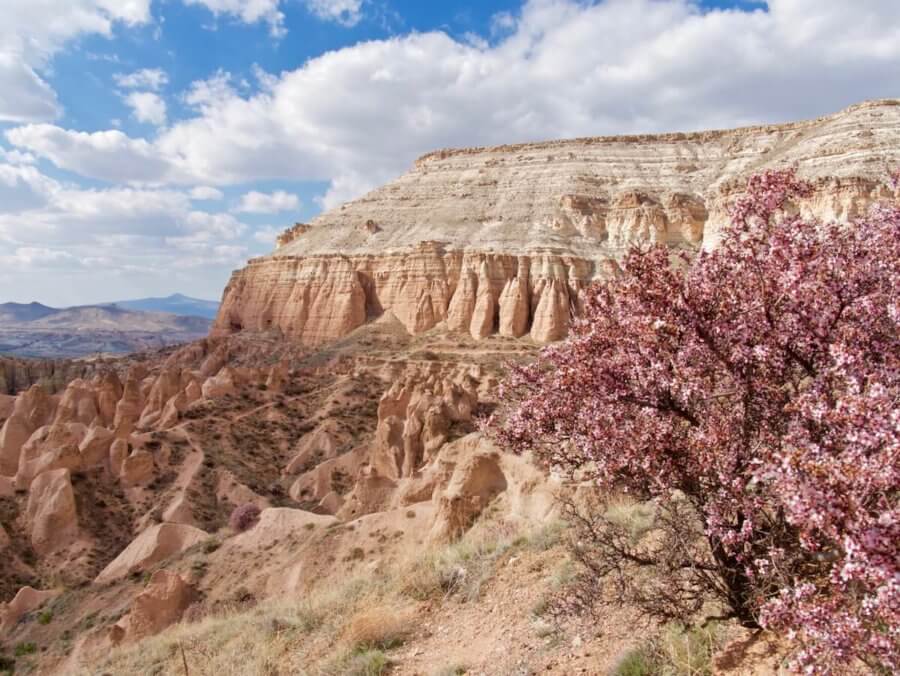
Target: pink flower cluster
(762, 381)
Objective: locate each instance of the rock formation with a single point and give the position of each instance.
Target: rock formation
(367, 449)
(503, 239)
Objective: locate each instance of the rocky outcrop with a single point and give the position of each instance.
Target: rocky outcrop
(161, 604)
(154, 545)
(17, 375)
(26, 600)
(502, 240)
(52, 514)
(33, 409)
(414, 418)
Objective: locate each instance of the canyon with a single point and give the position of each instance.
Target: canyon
(340, 394)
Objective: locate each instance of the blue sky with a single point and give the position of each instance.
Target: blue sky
(152, 146)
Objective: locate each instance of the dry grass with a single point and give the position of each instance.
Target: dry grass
(380, 626)
(344, 627)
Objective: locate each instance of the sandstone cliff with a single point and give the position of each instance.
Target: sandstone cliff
(502, 240)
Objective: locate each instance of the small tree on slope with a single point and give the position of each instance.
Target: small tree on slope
(758, 386)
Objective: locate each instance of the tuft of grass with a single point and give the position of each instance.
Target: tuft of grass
(687, 652)
(636, 662)
(676, 651)
(379, 627)
(637, 518)
(23, 649)
(359, 663)
(45, 617)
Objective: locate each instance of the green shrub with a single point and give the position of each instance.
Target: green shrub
(23, 649)
(45, 617)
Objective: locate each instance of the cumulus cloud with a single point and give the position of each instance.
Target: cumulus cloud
(345, 12)
(32, 32)
(147, 107)
(146, 78)
(268, 203)
(206, 193)
(266, 235)
(109, 232)
(561, 68)
(107, 155)
(248, 11)
(29, 97)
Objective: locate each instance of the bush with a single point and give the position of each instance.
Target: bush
(750, 392)
(23, 649)
(382, 627)
(244, 517)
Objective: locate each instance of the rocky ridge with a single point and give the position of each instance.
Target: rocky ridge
(502, 240)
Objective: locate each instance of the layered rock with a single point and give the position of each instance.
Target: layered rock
(502, 240)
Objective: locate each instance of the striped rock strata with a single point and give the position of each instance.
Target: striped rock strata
(503, 239)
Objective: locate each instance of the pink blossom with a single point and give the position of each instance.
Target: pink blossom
(762, 381)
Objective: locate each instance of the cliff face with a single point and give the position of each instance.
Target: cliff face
(502, 240)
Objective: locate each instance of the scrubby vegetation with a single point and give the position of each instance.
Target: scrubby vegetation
(751, 394)
(244, 517)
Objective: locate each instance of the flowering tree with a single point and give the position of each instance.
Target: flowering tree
(758, 386)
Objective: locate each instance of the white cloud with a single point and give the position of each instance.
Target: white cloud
(107, 155)
(268, 203)
(146, 78)
(144, 236)
(267, 235)
(147, 107)
(32, 32)
(23, 187)
(206, 193)
(248, 11)
(207, 94)
(345, 12)
(27, 96)
(357, 116)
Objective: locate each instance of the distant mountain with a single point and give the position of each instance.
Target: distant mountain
(24, 312)
(36, 330)
(176, 304)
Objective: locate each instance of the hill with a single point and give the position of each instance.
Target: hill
(39, 331)
(176, 304)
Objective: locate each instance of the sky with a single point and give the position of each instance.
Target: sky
(152, 146)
